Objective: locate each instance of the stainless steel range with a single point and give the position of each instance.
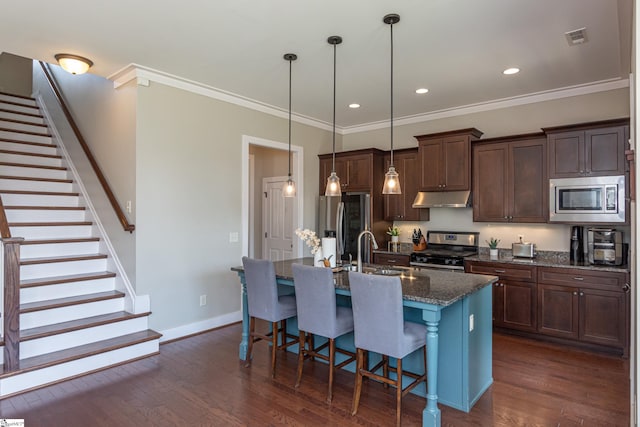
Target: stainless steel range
(446, 250)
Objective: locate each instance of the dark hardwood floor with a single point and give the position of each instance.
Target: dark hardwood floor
(198, 382)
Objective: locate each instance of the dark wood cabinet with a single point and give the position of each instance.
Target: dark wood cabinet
(514, 294)
(357, 170)
(445, 160)
(510, 179)
(391, 259)
(588, 306)
(398, 207)
(591, 149)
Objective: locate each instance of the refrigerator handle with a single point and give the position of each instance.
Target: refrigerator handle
(340, 229)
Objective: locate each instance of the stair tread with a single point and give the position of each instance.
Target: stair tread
(37, 144)
(49, 224)
(25, 132)
(19, 104)
(35, 178)
(21, 122)
(4, 110)
(51, 208)
(30, 98)
(68, 278)
(29, 165)
(61, 240)
(66, 258)
(74, 325)
(27, 153)
(74, 353)
(40, 193)
(74, 300)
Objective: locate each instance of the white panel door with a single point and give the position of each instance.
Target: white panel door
(278, 220)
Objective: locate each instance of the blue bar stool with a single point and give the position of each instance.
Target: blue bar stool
(379, 326)
(318, 314)
(264, 303)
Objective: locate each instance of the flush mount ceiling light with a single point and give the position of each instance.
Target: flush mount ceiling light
(391, 181)
(333, 182)
(422, 90)
(73, 64)
(289, 189)
(510, 71)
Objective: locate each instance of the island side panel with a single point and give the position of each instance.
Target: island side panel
(480, 344)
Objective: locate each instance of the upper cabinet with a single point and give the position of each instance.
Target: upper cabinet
(398, 207)
(510, 180)
(357, 170)
(445, 160)
(591, 149)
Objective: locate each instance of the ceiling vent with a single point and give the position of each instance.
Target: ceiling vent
(575, 37)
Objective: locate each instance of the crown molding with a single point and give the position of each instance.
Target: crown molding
(532, 98)
(143, 75)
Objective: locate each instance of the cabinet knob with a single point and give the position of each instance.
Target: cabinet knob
(581, 294)
(575, 292)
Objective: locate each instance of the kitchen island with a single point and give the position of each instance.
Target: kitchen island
(456, 308)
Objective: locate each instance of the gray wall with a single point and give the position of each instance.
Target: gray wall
(15, 74)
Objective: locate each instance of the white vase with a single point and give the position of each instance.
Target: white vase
(394, 239)
(493, 253)
(318, 258)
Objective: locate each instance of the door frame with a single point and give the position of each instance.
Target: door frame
(297, 154)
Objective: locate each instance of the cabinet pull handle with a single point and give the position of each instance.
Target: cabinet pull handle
(391, 260)
(578, 278)
(499, 271)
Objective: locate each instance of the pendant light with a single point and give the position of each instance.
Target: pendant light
(289, 189)
(391, 181)
(333, 182)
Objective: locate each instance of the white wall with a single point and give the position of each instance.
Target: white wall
(15, 74)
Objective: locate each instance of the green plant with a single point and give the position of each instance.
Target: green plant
(393, 231)
(493, 242)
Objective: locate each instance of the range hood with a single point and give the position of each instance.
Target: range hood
(442, 199)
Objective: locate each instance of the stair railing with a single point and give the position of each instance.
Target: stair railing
(11, 275)
(85, 147)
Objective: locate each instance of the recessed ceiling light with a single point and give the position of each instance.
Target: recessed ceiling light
(511, 71)
(354, 105)
(422, 90)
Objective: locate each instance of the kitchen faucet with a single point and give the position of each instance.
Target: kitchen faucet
(375, 246)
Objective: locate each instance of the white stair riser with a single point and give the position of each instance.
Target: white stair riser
(64, 290)
(30, 160)
(25, 137)
(53, 232)
(55, 373)
(38, 200)
(26, 127)
(58, 342)
(45, 215)
(35, 271)
(58, 249)
(51, 150)
(23, 117)
(72, 312)
(33, 172)
(18, 108)
(18, 99)
(25, 185)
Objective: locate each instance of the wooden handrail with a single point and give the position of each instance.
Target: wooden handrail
(114, 203)
(5, 233)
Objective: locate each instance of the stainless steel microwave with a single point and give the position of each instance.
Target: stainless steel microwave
(587, 199)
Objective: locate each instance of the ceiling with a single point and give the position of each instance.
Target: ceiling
(455, 48)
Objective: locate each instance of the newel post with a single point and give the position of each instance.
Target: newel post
(11, 303)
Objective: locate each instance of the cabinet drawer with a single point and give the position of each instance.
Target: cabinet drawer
(389, 259)
(510, 271)
(583, 278)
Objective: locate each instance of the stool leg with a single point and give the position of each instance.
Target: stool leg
(332, 363)
(252, 329)
(301, 354)
(283, 333)
(399, 392)
(385, 369)
(274, 346)
(358, 386)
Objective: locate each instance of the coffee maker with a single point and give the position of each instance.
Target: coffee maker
(576, 249)
(605, 246)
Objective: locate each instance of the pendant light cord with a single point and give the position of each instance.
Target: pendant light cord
(290, 64)
(333, 163)
(391, 164)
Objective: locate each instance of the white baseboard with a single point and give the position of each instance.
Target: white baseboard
(197, 327)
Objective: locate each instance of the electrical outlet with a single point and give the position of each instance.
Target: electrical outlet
(233, 237)
(471, 323)
(203, 300)
(520, 237)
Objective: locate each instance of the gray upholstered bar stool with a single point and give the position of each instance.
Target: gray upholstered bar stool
(264, 303)
(318, 314)
(379, 326)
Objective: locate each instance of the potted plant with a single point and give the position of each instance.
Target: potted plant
(394, 232)
(493, 247)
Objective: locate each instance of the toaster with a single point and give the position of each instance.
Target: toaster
(523, 250)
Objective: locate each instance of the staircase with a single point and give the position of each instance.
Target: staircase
(72, 307)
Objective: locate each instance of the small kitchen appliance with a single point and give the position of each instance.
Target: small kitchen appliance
(446, 250)
(576, 248)
(605, 246)
(523, 249)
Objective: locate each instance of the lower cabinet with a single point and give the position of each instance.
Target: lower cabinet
(401, 260)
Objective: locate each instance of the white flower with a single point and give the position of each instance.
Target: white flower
(310, 238)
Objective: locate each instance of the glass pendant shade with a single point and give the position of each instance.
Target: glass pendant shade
(391, 182)
(289, 188)
(333, 185)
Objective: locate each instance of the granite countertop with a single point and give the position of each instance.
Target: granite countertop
(546, 259)
(420, 285)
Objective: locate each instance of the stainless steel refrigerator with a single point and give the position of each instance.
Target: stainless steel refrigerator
(344, 218)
